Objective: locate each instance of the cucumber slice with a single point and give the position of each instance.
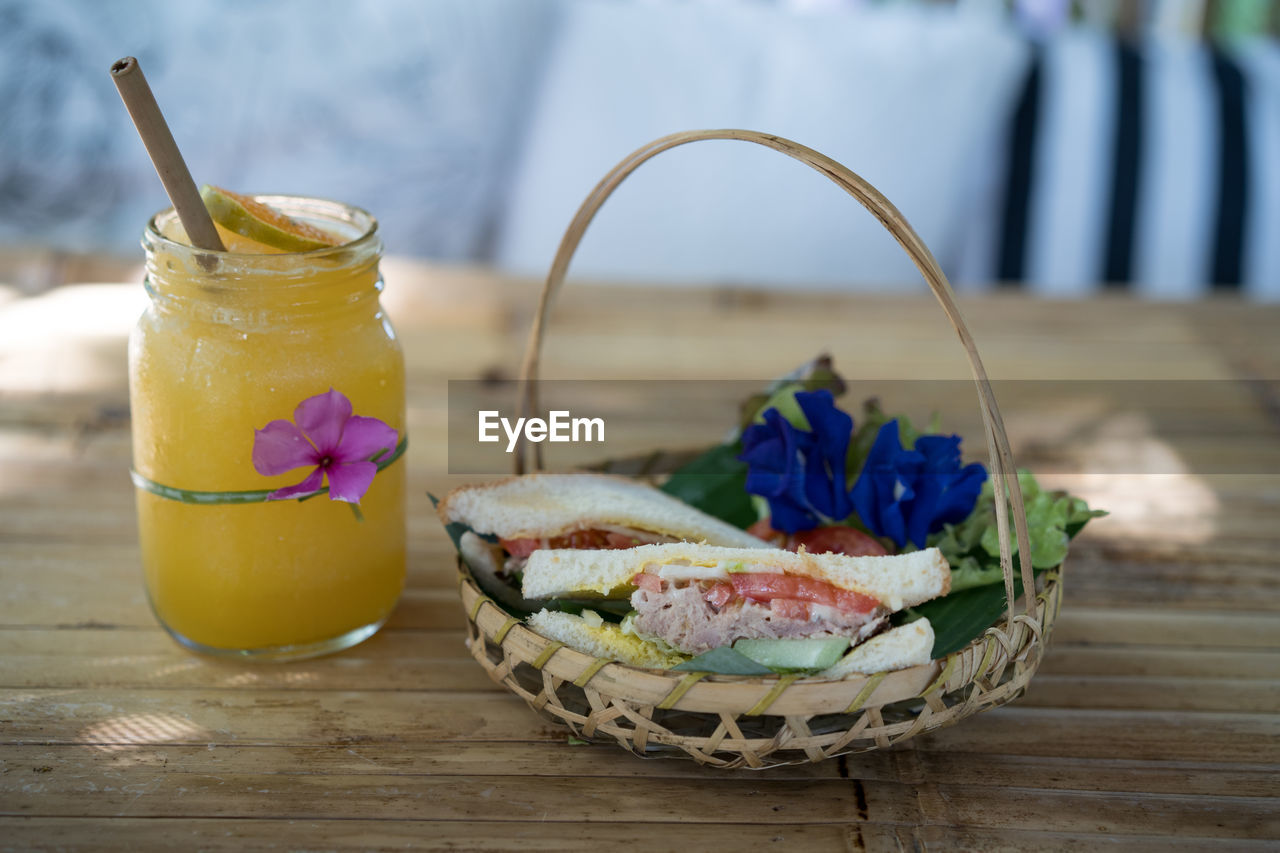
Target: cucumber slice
(817, 653)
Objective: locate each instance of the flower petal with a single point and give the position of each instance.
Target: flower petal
(363, 437)
(322, 418)
(280, 446)
(946, 492)
(824, 470)
(314, 481)
(348, 482)
(832, 426)
(768, 445)
(891, 520)
(769, 460)
(883, 492)
(941, 452)
(920, 512)
(869, 493)
(790, 514)
(776, 453)
(960, 495)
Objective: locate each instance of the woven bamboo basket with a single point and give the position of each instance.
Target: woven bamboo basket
(759, 722)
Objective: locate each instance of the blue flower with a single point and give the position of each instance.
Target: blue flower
(908, 494)
(801, 473)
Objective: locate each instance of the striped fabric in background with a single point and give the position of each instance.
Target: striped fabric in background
(1148, 167)
(1036, 149)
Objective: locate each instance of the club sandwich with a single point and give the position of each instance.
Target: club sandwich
(690, 598)
(574, 511)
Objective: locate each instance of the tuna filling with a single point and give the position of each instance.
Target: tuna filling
(682, 616)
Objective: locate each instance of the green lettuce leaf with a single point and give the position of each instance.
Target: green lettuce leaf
(716, 483)
(780, 394)
(969, 572)
(723, 661)
(972, 547)
(960, 617)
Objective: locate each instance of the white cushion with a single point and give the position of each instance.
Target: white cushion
(1179, 181)
(1072, 172)
(1260, 61)
(914, 100)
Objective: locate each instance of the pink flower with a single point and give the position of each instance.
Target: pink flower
(339, 445)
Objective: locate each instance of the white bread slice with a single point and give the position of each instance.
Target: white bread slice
(603, 641)
(905, 646)
(538, 505)
(899, 581)
(901, 647)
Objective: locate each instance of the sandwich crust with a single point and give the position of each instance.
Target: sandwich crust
(602, 641)
(897, 581)
(898, 648)
(536, 506)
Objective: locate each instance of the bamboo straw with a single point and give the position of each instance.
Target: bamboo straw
(164, 153)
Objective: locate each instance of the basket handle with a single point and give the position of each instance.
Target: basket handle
(1001, 458)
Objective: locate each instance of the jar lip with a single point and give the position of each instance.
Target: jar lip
(328, 210)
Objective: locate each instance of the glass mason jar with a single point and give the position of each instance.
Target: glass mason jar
(266, 391)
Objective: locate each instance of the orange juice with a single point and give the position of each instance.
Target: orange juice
(231, 343)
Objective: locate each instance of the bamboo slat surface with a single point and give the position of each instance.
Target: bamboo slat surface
(1152, 724)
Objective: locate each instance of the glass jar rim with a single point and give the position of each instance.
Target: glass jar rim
(326, 209)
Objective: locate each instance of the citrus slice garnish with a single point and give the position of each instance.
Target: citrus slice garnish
(263, 223)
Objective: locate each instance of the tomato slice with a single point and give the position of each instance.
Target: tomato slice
(855, 602)
(767, 586)
(762, 529)
(648, 582)
(718, 595)
(789, 608)
(581, 539)
(620, 540)
(520, 547)
(836, 539)
(596, 540)
(832, 539)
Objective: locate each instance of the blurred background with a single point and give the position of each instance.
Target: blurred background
(1053, 146)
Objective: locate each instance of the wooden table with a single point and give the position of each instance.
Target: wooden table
(1151, 726)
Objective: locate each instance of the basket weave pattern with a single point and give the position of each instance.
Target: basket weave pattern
(732, 721)
(757, 722)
